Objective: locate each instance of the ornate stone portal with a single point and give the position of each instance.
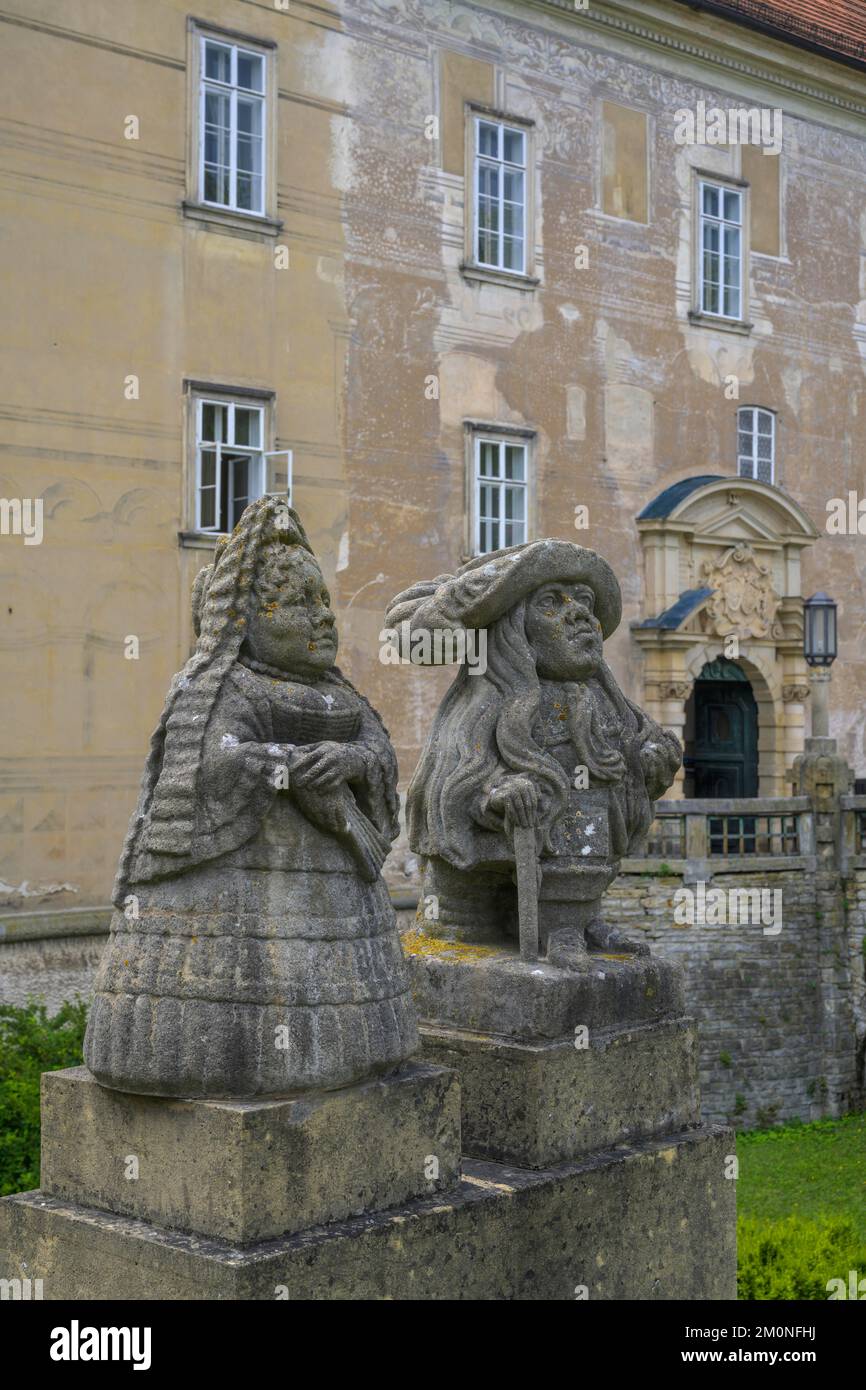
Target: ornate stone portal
(722, 579)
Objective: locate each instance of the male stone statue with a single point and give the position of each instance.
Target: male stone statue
(542, 737)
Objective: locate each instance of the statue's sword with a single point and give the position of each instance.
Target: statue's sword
(527, 890)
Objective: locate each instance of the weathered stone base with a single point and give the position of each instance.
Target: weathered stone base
(244, 1171)
(654, 1220)
(541, 1103)
(557, 1063)
(487, 991)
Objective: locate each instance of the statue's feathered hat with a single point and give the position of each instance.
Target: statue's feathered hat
(491, 585)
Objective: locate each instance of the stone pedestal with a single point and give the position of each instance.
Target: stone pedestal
(648, 1221)
(540, 1103)
(553, 1063)
(244, 1171)
(604, 1185)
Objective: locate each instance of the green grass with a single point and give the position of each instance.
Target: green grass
(809, 1170)
(796, 1257)
(30, 1043)
(801, 1196)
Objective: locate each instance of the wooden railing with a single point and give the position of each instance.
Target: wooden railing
(743, 834)
(734, 833)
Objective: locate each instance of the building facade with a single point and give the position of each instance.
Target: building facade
(458, 275)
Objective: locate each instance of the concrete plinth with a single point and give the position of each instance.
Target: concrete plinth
(557, 1063)
(244, 1171)
(493, 991)
(540, 1103)
(653, 1220)
(590, 1175)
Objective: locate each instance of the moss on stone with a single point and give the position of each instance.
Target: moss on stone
(416, 943)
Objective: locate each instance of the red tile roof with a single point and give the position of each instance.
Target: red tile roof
(836, 27)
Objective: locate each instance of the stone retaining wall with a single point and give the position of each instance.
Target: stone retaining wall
(763, 1001)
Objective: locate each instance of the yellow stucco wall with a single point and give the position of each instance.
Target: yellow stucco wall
(107, 278)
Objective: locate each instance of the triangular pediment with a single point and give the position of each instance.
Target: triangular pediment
(738, 524)
(732, 549)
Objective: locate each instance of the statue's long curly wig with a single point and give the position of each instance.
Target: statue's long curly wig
(489, 720)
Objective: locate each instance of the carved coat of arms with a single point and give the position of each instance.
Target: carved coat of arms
(744, 600)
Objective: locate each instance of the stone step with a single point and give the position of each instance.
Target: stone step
(652, 1220)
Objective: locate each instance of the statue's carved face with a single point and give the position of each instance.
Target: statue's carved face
(564, 632)
(291, 624)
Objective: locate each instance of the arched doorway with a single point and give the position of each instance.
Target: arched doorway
(722, 562)
(721, 734)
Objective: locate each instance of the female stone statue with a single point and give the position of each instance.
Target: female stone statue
(254, 949)
(540, 736)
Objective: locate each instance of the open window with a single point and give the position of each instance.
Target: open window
(233, 465)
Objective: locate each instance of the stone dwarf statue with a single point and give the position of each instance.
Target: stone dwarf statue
(538, 735)
(254, 950)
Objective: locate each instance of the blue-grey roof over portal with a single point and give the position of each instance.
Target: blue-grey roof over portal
(673, 616)
(664, 504)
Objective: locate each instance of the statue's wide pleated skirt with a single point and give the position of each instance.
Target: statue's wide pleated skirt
(261, 983)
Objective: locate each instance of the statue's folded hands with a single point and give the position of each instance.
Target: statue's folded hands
(325, 765)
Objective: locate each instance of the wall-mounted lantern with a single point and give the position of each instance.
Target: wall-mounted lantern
(819, 633)
(819, 649)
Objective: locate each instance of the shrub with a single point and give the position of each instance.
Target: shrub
(795, 1258)
(31, 1042)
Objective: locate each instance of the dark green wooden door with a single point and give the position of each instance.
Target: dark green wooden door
(726, 738)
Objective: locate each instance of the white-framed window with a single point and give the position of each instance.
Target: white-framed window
(501, 493)
(232, 120)
(500, 195)
(232, 465)
(756, 443)
(720, 265)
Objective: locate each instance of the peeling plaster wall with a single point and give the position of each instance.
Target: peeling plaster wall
(625, 394)
(106, 277)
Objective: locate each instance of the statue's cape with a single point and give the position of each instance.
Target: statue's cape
(462, 762)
